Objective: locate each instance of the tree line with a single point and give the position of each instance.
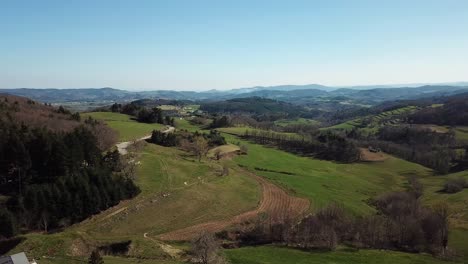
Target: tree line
(143, 114)
(400, 223)
(324, 145)
(196, 142)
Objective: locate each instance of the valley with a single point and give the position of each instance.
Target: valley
(237, 182)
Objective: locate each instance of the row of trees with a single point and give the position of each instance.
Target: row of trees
(54, 179)
(401, 223)
(327, 145)
(197, 143)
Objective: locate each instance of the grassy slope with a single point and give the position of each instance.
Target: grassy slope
(458, 204)
(324, 182)
(278, 255)
(127, 128)
(197, 194)
(185, 124)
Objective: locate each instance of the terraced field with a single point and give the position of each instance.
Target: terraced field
(371, 124)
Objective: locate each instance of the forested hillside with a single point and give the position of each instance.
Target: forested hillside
(453, 112)
(259, 107)
(52, 170)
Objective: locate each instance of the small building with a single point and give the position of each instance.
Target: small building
(19, 258)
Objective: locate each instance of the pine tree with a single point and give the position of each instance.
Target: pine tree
(7, 224)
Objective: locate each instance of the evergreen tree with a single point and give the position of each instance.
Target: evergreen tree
(7, 224)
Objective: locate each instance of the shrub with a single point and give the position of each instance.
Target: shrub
(455, 185)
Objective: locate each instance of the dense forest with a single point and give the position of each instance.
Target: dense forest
(429, 148)
(261, 108)
(454, 112)
(53, 178)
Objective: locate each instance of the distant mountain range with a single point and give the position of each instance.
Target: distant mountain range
(300, 94)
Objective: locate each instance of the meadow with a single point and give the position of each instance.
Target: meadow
(280, 255)
(322, 182)
(127, 128)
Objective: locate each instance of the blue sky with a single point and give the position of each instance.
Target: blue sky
(200, 45)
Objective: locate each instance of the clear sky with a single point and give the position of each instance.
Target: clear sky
(199, 45)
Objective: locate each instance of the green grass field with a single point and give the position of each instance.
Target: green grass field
(461, 133)
(127, 128)
(196, 194)
(280, 255)
(185, 125)
(323, 181)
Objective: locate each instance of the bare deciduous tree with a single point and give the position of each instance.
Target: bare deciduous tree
(200, 146)
(205, 249)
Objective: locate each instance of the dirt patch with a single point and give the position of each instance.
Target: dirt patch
(367, 155)
(276, 203)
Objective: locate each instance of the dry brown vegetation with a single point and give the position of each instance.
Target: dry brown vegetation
(367, 155)
(21, 110)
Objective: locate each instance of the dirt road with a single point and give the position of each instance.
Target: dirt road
(275, 202)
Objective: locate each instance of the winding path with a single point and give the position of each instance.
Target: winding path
(276, 203)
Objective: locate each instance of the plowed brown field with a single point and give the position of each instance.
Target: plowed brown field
(276, 203)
